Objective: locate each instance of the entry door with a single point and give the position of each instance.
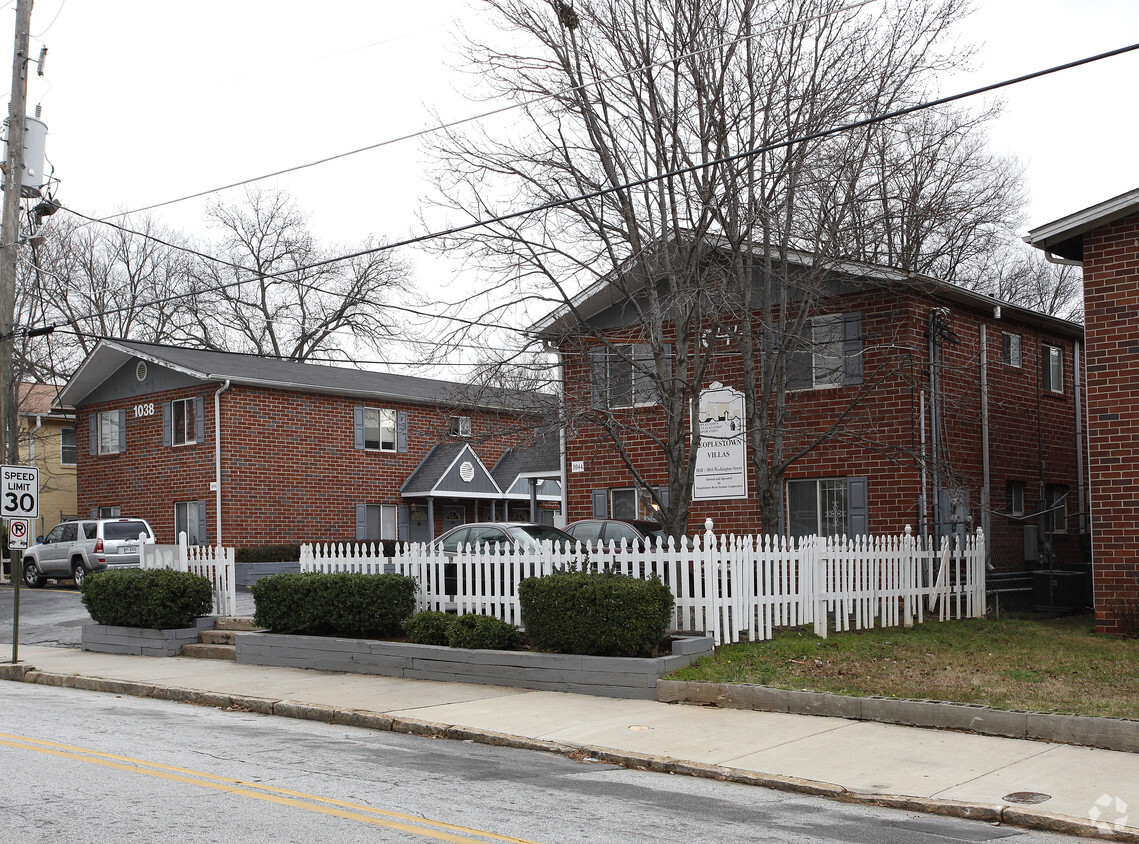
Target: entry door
(417, 528)
(453, 517)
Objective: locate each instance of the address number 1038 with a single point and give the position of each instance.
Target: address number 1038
(143, 410)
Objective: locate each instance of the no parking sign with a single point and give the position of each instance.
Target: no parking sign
(17, 534)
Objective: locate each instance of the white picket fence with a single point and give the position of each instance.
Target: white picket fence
(735, 588)
(215, 564)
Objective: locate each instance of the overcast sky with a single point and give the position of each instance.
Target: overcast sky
(147, 101)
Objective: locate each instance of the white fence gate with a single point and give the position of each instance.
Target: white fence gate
(215, 564)
(733, 587)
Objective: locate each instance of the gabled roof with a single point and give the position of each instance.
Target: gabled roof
(542, 461)
(603, 295)
(40, 400)
(255, 371)
(451, 470)
(1064, 238)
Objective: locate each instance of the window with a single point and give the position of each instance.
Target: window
(1052, 368)
(379, 522)
(1056, 509)
(379, 429)
(109, 512)
(1010, 349)
(1014, 493)
(90, 530)
(817, 507)
(110, 431)
(67, 446)
(183, 424)
(190, 518)
(829, 354)
(460, 426)
(632, 504)
(624, 375)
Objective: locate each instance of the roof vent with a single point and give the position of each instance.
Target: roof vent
(140, 371)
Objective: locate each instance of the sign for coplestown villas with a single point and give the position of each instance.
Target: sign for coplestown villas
(721, 461)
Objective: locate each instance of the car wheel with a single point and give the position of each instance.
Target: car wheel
(32, 576)
(79, 574)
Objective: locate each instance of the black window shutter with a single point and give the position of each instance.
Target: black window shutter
(358, 426)
(361, 522)
(199, 420)
(852, 348)
(94, 434)
(401, 431)
(800, 361)
(203, 523)
(857, 507)
(166, 424)
(122, 431)
(598, 377)
(403, 531)
(601, 504)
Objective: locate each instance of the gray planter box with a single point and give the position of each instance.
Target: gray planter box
(144, 641)
(624, 677)
(246, 574)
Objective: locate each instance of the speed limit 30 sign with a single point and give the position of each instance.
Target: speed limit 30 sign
(19, 492)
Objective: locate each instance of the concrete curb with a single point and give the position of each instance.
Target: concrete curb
(1018, 816)
(1106, 733)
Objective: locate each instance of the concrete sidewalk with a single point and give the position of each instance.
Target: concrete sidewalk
(1090, 792)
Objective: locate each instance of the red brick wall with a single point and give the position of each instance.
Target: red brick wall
(1111, 312)
(1032, 434)
(290, 471)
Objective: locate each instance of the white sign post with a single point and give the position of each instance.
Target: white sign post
(19, 492)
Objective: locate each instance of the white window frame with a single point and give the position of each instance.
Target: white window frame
(1015, 493)
(1052, 366)
(189, 521)
(460, 426)
(621, 363)
(388, 520)
(824, 340)
(1056, 503)
(377, 421)
(113, 512)
(640, 499)
(828, 492)
(185, 433)
(1010, 349)
(63, 461)
(108, 428)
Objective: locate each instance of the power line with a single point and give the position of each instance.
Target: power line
(596, 194)
(473, 118)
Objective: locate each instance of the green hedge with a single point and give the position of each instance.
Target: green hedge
(474, 632)
(280, 553)
(364, 605)
(156, 598)
(595, 613)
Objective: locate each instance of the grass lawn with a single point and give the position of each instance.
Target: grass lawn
(1053, 665)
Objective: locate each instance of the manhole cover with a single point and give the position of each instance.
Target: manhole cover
(1028, 797)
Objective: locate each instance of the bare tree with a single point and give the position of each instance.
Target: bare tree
(1023, 276)
(293, 301)
(730, 256)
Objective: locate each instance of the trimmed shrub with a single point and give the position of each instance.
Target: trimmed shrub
(281, 553)
(428, 627)
(595, 613)
(160, 599)
(342, 604)
(483, 632)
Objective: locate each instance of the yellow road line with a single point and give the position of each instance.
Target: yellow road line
(296, 799)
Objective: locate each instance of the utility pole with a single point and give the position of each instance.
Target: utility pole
(9, 237)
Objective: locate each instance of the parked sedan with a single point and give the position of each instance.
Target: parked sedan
(637, 533)
(486, 534)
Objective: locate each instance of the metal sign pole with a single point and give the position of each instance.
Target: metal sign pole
(16, 578)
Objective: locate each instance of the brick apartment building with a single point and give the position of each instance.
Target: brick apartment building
(241, 450)
(1104, 239)
(995, 442)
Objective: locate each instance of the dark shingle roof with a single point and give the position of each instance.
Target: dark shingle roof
(544, 457)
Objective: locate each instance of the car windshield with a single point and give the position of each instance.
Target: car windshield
(124, 530)
(529, 533)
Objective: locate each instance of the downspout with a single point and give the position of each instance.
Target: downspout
(32, 439)
(1081, 491)
(560, 366)
(217, 456)
(986, 478)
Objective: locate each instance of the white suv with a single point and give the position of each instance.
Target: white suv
(75, 549)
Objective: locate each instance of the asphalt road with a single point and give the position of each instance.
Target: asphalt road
(51, 615)
(92, 767)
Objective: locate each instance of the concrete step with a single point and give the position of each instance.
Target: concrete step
(200, 651)
(217, 637)
(235, 623)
